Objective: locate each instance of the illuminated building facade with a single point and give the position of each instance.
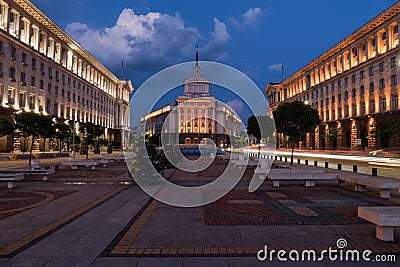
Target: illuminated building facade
(195, 115)
(44, 70)
(354, 86)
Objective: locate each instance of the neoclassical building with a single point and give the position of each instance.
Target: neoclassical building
(42, 69)
(195, 115)
(353, 86)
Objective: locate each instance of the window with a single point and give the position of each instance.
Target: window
(12, 74)
(24, 56)
(327, 101)
(383, 102)
(62, 92)
(33, 81)
(57, 75)
(13, 54)
(42, 67)
(381, 83)
(393, 62)
(362, 112)
(346, 81)
(69, 95)
(395, 101)
(393, 80)
(372, 107)
(381, 66)
(346, 95)
(22, 98)
(371, 71)
(1, 49)
(33, 64)
(374, 42)
(362, 75)
(353, 78)
(32, 98)
(353, 92)
(11, 95)
(56, 90)
(339, 84)
(41, 85)
(362, 90)
(396, 29)
(1, 70)
(69, 81)
(50, 73)
(49, 87)
(23, 78)
(333, 99)
(48, 105)
(371, 87)
(63, 78)
(354, 108)
(339, 97)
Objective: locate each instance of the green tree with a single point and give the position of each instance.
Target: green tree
(90, 132)
(332, 135)
(261, 127)
(46, 129)
(387, 130)
(29, 124)
(6, 127)
(295, 120)
(62, 132)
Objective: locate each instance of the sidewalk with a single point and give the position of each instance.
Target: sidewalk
(95, 219)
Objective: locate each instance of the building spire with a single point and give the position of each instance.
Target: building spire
(197, 55)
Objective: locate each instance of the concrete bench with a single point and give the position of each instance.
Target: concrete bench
(74, 164)
(43, 172)
(11, 179)
(361, 182)
(246, 163)
(385, 218)
(309, 178)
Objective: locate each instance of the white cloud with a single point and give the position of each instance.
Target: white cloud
(250, 19)
(216, 48)
(149, 42)
(142, 41)
(275, 67)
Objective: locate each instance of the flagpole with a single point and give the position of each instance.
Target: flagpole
(282, 72)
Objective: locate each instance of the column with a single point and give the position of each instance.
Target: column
(58, 53)
(35, 37)
(4, 15)
(389, 37)
(80, 67)
(50, 51)
(367, 49)
(379, 43)
(43, 43)
(25, 34)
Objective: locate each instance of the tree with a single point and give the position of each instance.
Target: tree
(332, 135)
(295, 120)
(29, 124)
(90, 133)
(62, 132)
(386, 130)
(6, 127)
(46, 129)
(260, 127)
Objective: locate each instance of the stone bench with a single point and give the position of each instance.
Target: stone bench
(43, 172)
(309, 177)
(11, 179)
(245, 163)
(75, 164)
(361, 182)
(263, 172)
(385, 218)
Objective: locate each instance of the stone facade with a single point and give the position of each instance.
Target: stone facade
(44, 70)
(354, 85)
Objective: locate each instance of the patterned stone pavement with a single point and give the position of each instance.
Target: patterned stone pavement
(97, 217)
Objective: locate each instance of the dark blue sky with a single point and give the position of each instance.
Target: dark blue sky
(254, 36)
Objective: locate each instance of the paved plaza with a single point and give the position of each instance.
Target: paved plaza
(100, 217)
